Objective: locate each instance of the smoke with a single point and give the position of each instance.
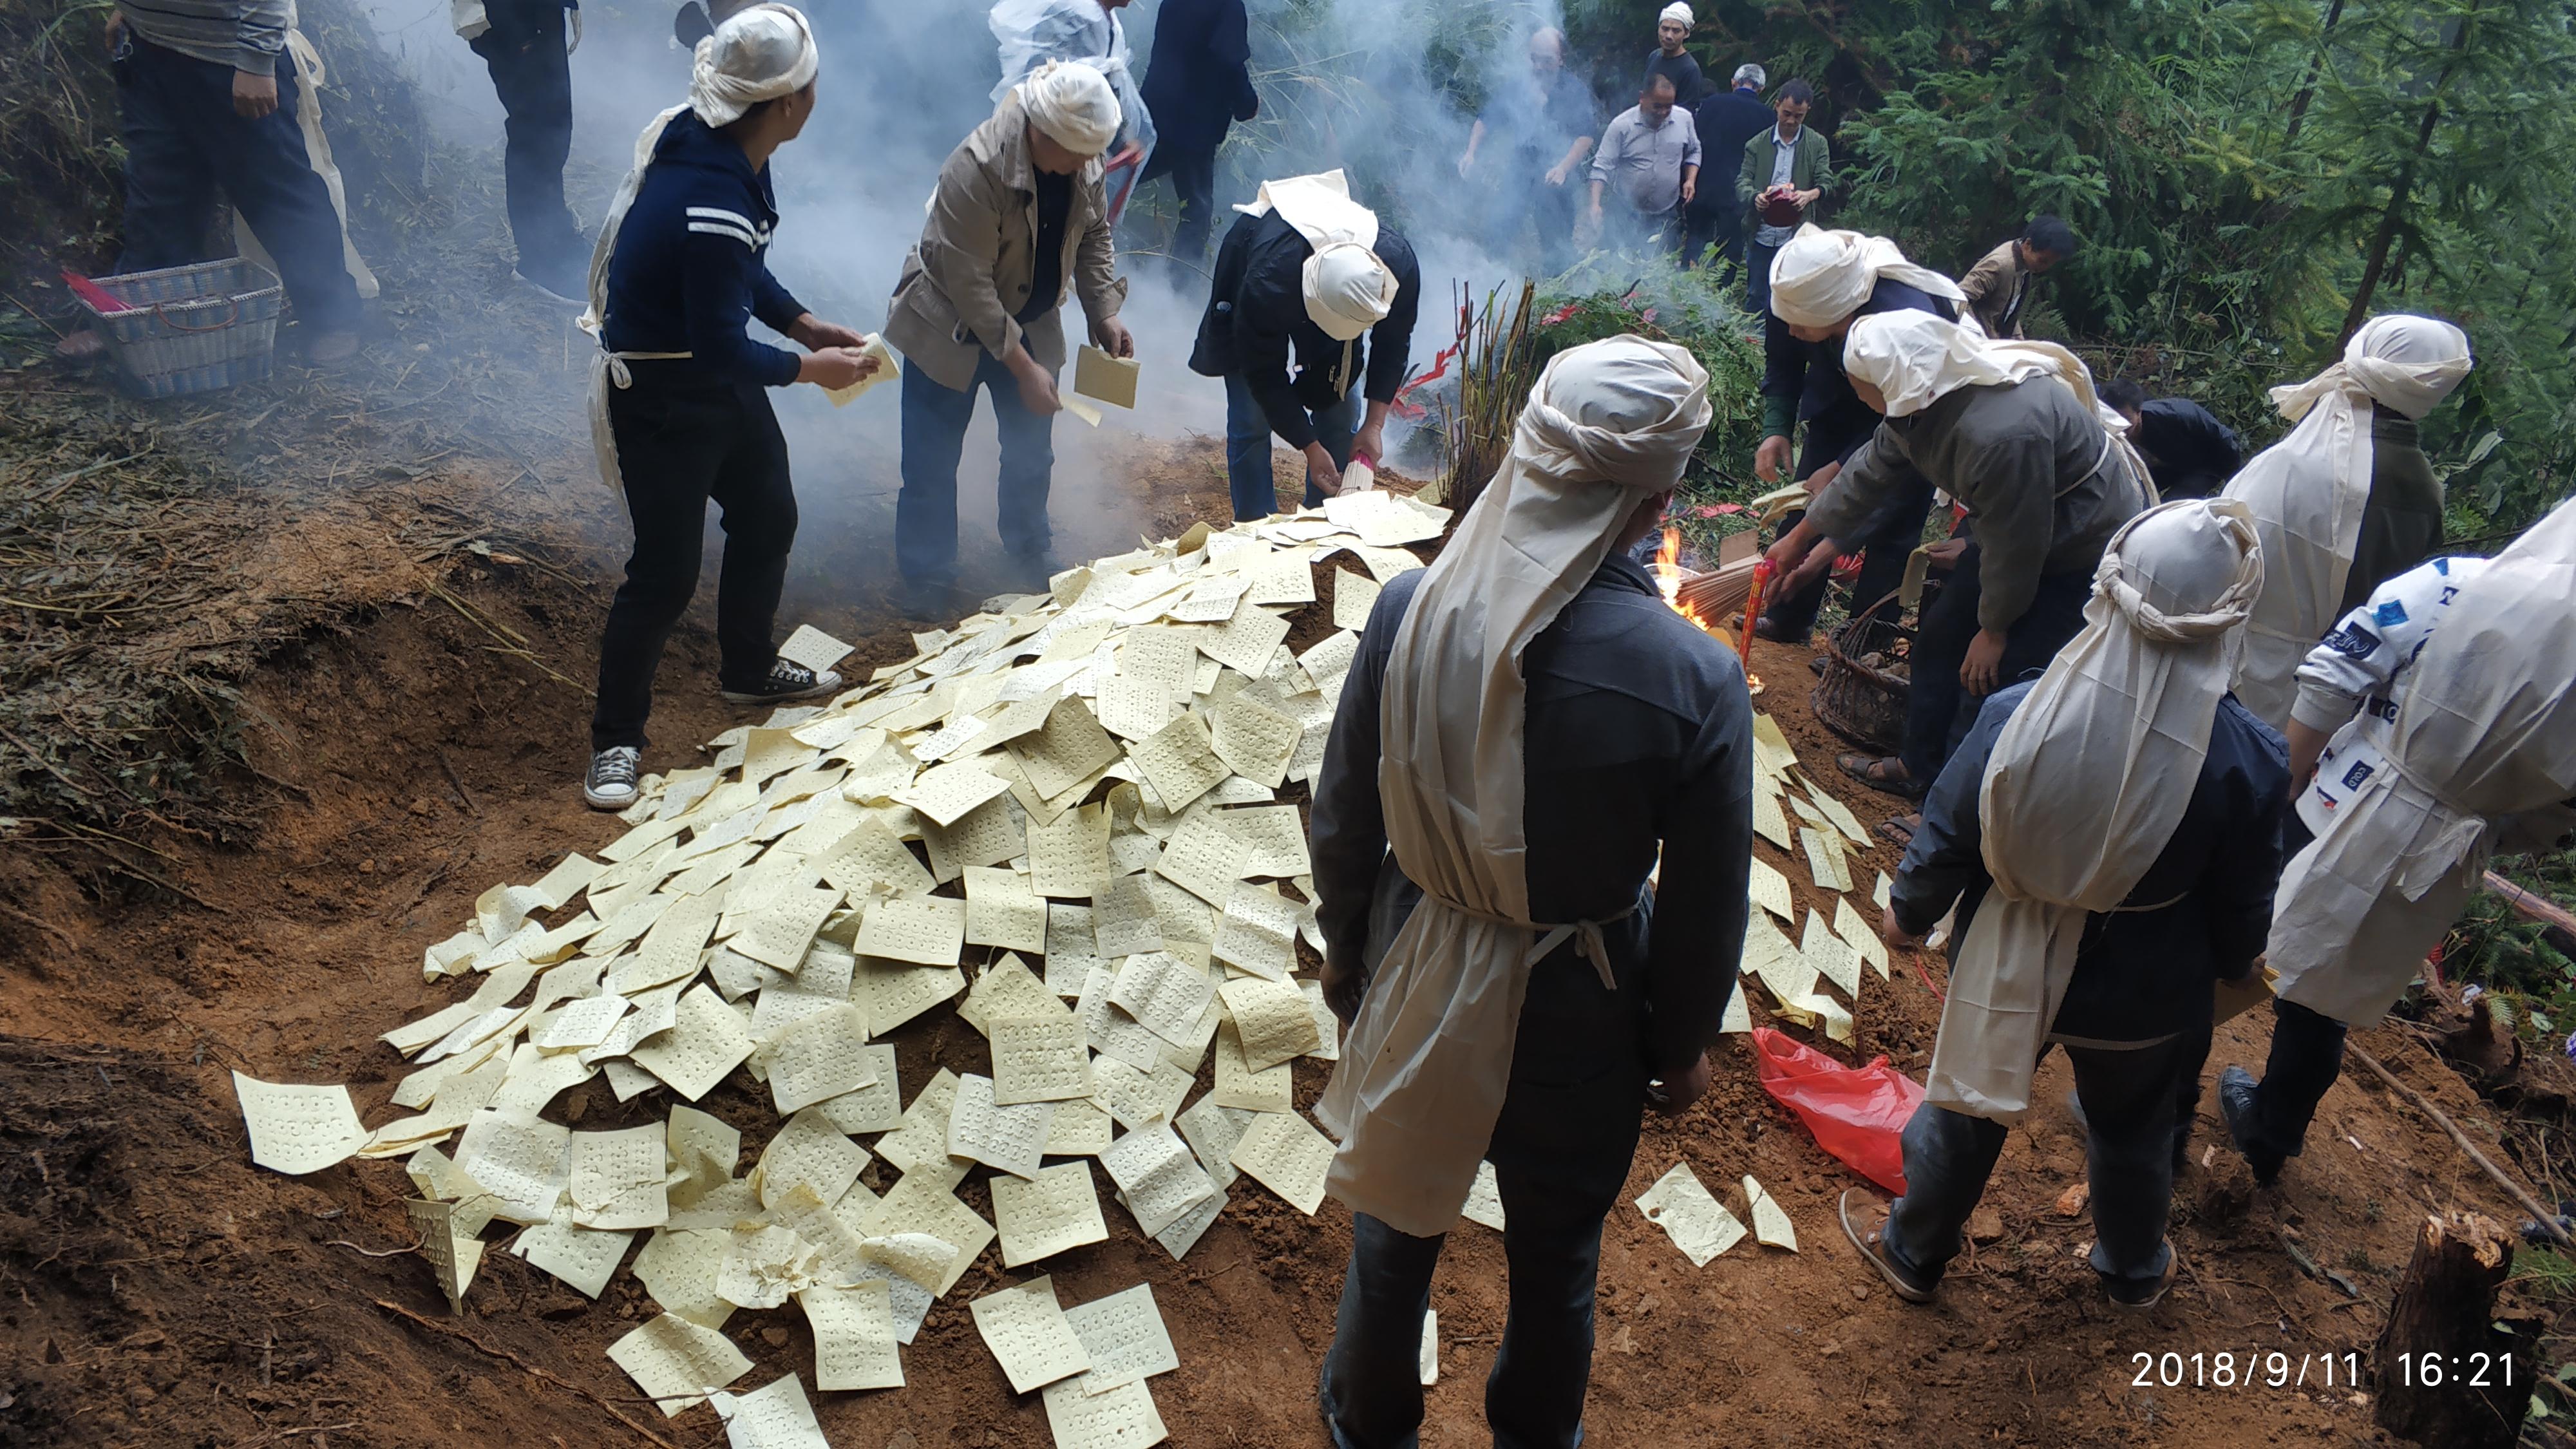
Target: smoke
(1386, 89)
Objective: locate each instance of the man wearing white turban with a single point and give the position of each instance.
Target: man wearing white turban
(2013, 431)
(2124, 782)
(1034, 32)
(1309, 321)
(678, 410)
(1834, 277)
(2447, 693)
(2347, 499)
(1526, 727)
(1019, 220)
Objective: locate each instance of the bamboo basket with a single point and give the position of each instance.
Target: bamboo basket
(192, 328)
(1863, 703)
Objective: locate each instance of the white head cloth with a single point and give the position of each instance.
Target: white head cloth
(1072, 103)
(1915, 359)
(2309, 490)
(758, 54)
(1676, 11)
(2486, 732)
(1348, 289)
(1421, 1081)
(1820, 277)
(2087, 782)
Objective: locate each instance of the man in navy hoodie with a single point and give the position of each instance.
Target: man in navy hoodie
(678, 408)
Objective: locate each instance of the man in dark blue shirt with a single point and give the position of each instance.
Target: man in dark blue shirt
(1198, 83)
(1726, 124)
(2188, 450)
(2135, 1016)
(687, 418)
(1286, 373)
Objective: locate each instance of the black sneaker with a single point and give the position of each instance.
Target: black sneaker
(786, 681)
(2236, 1104)
(610, 785)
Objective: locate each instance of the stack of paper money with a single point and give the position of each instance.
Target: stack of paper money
(1061, 819)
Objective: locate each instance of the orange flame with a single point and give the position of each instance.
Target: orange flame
(1668, 579)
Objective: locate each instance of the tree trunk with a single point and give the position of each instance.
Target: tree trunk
(2441, 1323)
(2308, 83)
(2403, 191)
(2388, 220)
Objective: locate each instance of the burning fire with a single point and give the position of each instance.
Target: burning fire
(1668, 579)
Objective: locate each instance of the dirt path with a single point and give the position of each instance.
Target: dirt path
(156, 1289)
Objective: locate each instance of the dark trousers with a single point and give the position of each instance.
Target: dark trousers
(1710, 227)
(1938, 709)
(524, 50)
(934, 438)
(1888, 542)
(2129, 1098)
(2307, 1056)
(1561, 1151)
(1193, 177)
(1643, 231)
(1526, 199)
(183, 141)
(1247, 448)
(1757, 277)
(680, 443)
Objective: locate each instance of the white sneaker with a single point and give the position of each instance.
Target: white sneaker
(610, 785)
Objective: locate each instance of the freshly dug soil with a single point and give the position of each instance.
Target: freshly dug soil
(157, 1289)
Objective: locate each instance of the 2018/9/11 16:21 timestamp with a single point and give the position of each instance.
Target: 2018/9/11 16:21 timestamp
(2327, 1370)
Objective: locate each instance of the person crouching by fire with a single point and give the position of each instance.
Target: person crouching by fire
(678, 410)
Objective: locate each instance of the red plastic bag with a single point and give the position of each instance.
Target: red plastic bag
(1856, 1113)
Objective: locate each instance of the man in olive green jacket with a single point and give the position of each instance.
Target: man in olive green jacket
(1786, 171)
(1019, 219)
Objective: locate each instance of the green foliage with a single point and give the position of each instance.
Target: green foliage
(2493, 946)
(2248, 176)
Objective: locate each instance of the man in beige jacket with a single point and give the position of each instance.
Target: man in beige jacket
(1999, 284)
(1018, 220)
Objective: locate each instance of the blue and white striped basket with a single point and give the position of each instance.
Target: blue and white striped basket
(195, 328)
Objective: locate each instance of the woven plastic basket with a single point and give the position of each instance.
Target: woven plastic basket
(195, 328)
(1863, 703)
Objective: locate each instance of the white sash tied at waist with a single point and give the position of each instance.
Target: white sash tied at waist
(609, 369)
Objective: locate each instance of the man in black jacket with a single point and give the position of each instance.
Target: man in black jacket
(2188, 450)
(1634, 754)
(1726, 124)
(1302, 349)
(1198, 85)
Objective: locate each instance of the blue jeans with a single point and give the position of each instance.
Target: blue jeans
(1247, 448)
(1561, 1151)
(934, 437)
(2129, 1097)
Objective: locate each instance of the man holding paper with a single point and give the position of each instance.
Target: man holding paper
(1310, 314)
(678, 408)
(2126, 782)
(1018, 221)
(1513, 989)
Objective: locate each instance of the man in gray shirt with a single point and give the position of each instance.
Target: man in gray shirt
(1649, 163)
(209, 99)
(2045, 485)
